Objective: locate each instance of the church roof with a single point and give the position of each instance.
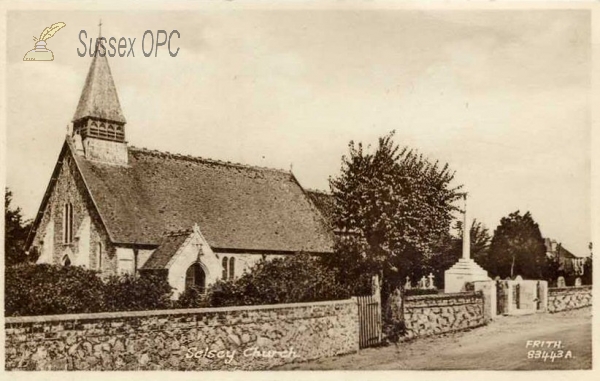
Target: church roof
(237, 207)
(99, 96)
(324, 202)
(171, 242)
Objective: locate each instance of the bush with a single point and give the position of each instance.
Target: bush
(49, 289)
(294, 279)
(52, 289)
(192, 297)
(145, 292)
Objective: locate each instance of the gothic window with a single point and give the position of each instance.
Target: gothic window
(66, 261)
(225, 267)
(99, 258)
(195, 277)
(68, 223)
(231, 268)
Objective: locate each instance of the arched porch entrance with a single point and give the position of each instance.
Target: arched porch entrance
(195, 277)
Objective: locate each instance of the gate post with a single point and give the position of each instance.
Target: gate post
(488, 288)
(376, 292)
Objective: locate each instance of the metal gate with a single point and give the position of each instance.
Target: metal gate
(369, 317)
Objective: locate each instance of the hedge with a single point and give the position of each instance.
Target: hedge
(51, 289)
(293, 279)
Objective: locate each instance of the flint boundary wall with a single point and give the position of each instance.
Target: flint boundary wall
(569, 298)
(428, 315)
(248, 338)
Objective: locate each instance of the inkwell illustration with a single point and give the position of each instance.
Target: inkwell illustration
(41, 53)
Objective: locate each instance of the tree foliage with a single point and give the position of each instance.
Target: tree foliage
(350, 265)
(16, 230)
(399, 203)
(294, 279)
(517, 248)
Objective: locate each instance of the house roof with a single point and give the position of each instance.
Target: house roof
(99, 95)
(324, 202)
(169, 246)
(236, 206)
(556, 248)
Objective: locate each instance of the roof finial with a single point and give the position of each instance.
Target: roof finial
(100, 28)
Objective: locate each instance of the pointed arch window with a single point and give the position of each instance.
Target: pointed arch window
(99, 258)
(66, 261)
(225, 267)
(231, 268)
(68, 223)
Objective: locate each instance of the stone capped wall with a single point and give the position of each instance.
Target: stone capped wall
(248, 338)
(435, 314)
(569, 298)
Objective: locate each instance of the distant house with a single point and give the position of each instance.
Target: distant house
(120, 209)
(569, 263)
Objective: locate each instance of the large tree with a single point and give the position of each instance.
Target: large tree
(517, 248)
(15, 230)
(398, 203)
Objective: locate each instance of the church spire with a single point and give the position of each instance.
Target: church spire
(98, 123)
(99, 97)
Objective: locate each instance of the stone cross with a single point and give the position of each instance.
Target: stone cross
(430, 284)
(466, 252)
(423, 282)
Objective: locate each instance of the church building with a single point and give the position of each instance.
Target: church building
(118, 209)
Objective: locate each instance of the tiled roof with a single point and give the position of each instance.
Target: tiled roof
(324, 202)
(99, 95)
(167, 249)
(236, 206)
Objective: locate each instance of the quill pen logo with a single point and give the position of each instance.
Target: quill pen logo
(41, 53)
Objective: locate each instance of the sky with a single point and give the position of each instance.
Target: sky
(503, 96)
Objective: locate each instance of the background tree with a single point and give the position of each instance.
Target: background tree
(398, 204)
(16, 230)
(350, 265)
(517, 248)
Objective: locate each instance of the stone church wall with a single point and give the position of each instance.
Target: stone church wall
(245, 261)
(435, 314)
(248, 338)
(569, 298)
(89, 237)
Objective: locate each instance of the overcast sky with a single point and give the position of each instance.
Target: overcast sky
(502, 96)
